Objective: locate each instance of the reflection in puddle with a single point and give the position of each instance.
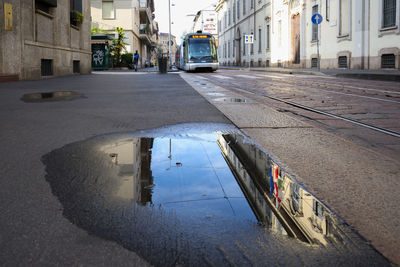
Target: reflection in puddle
(50, 96)
(198, 199)
(232, 100)
(215, 94)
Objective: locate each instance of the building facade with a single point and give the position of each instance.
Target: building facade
(42, 38)
(136, 17)
(163, 44)
(354, 34)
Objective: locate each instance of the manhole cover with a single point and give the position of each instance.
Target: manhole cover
(51, 96)
(184, 196)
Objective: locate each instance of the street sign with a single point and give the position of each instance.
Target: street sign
(316, 18)
(249, 39)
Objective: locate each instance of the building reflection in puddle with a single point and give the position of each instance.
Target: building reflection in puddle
(192, 176)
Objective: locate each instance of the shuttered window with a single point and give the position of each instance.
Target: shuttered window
(315, 26)
(344, 23)
(389, 13)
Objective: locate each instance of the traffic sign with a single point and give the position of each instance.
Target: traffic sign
(316, 18)
(249, 39)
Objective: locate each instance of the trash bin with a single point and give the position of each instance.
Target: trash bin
(162, 63)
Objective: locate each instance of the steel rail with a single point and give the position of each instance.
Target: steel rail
(375, 128)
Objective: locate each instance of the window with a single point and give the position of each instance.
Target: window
(233, 48)
(229, 17)
(108, 9)
(315, 26)
(234, 12)
(388, 61)
(244, 46)
(45, 5)
(76, 16)
(259, 41)
(344, 17)
(76, 66)
(229, 49)
(225, 19)
(244, 7)
(327, 9)
(280, 33)
(268, 37)
(314, 62)
(46, 67)
(342, 62)
(389, 13)
(251, 4)
(238, 9)
(318, 209)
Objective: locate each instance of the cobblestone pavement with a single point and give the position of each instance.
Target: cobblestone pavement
(376, 103)
(360, 183)
(353, 169)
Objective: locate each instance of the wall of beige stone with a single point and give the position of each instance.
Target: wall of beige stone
(37, 35)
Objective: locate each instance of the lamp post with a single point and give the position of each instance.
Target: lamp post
(169, 35)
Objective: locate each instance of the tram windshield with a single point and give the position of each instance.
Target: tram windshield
(202, 49)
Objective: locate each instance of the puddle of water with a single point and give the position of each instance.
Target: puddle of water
(50, 96)
(198, 198)
(215, 94)
(232, 100)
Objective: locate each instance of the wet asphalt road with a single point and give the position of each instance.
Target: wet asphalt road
(33, 230)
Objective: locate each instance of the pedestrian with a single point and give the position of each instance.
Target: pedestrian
(135, 60)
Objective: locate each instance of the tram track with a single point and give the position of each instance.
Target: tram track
(242, 89)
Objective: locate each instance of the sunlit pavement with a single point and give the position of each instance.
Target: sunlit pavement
(345, 164)
(353, 170)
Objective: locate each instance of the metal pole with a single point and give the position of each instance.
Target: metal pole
(319, 68)
(169, 35)
(248, 48)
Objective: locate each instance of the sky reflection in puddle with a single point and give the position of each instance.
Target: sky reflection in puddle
(198, 198)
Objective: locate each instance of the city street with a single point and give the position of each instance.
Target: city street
(318, 99)
(124, 168)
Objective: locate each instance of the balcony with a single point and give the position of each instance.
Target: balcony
(145, 33)
(144, 11)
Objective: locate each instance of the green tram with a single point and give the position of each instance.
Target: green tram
(198, 52)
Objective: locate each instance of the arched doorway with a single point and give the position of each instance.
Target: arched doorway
(238, 47)
(295, 42)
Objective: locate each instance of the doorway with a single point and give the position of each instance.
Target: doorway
(295, 39)
(238, 47)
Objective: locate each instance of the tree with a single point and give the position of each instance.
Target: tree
(118, 46)
(95, 30)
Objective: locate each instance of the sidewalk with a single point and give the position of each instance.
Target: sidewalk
(384, 75)
(344, 175)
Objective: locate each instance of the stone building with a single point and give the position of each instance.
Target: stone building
(42, 38)
(355, 34)
(136, 17)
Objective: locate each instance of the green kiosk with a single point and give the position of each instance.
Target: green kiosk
(101, 59)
